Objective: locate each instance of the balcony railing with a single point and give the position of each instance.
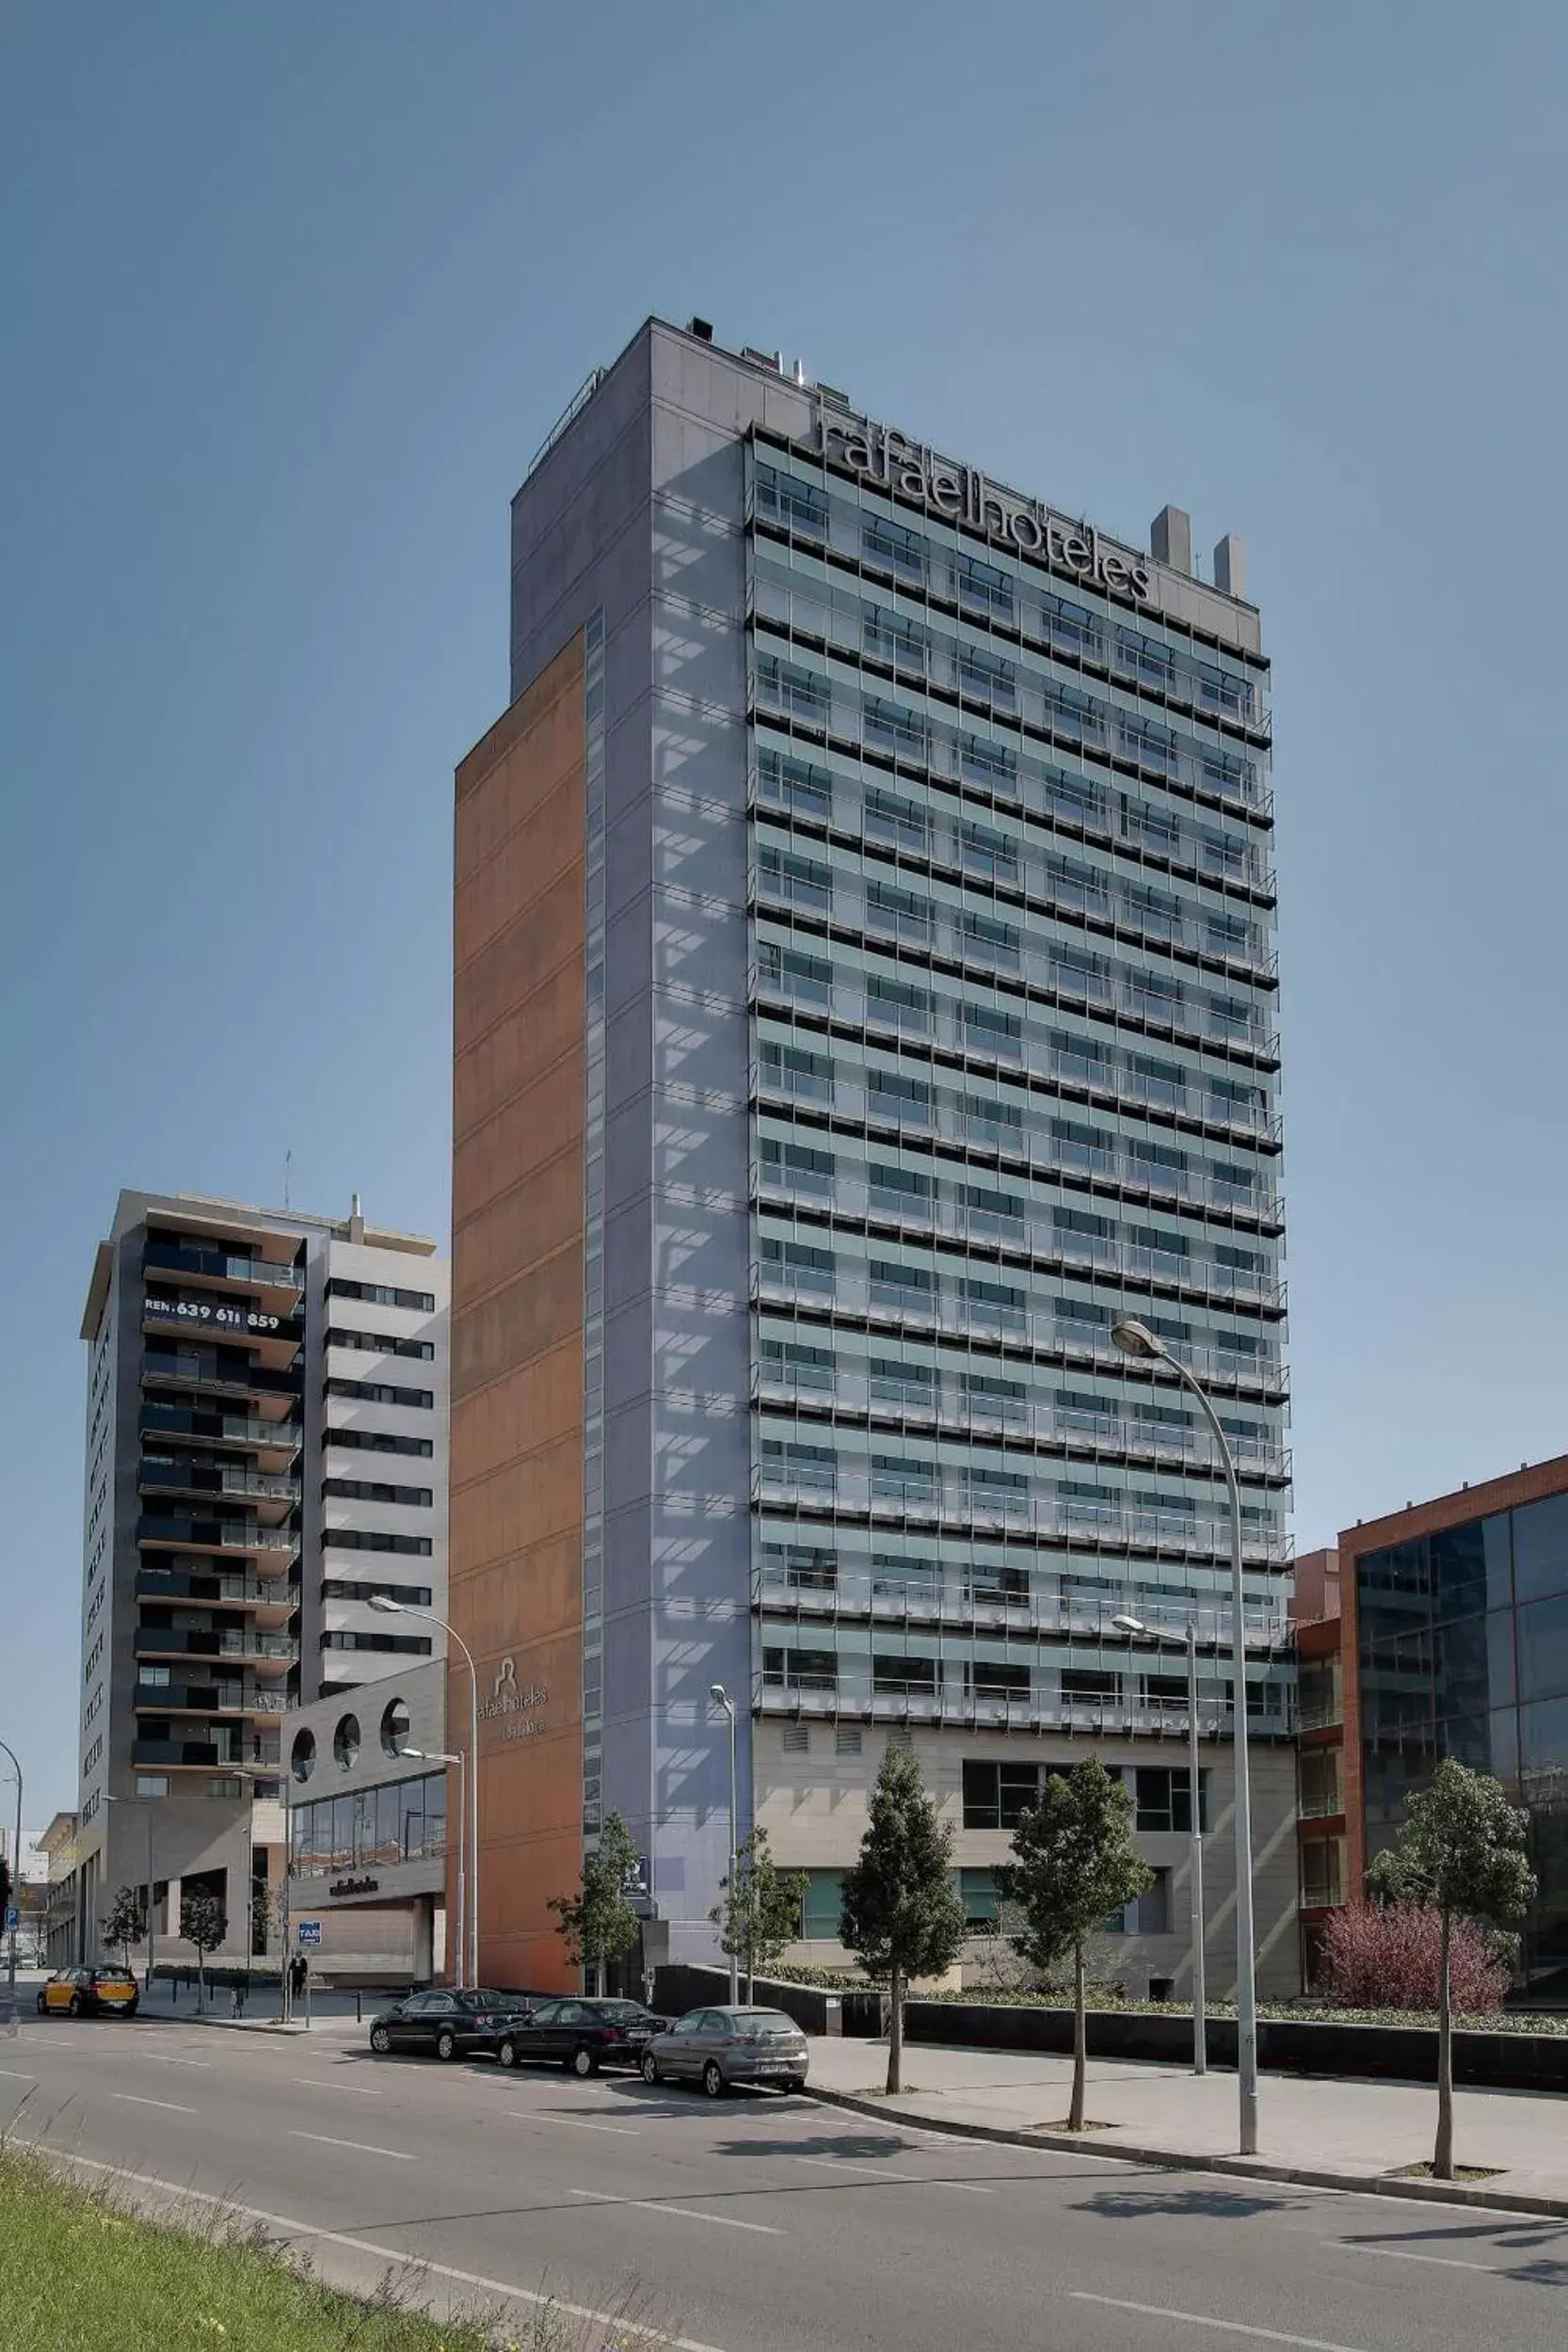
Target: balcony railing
(271, 1593)
(219, 1266)
(222, 1319)
(221, 1376)
(211, 1699)
(962, 1596)
(849, 1291)
(158, 1476)
(163, 1641)
(1321, 1715)
(1319, 1807)
(858, 1493)
(219, 1429)
(239, 1535)
(227, 1748)
(1038, 1713)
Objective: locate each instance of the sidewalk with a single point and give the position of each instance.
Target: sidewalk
(1350, 2135)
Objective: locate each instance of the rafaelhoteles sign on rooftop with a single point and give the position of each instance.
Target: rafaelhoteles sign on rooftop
(880, 457)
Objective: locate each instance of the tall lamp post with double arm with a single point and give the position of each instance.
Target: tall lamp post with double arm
(16, 1870)
(389, 1608)
(1135, 1340)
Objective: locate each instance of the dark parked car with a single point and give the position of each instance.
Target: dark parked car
(464, 2022)
(717, 2047)
(583, 2035)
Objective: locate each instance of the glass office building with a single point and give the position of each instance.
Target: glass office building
(866, 995)
(1462, 1650)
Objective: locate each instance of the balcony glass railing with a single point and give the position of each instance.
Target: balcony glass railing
(227, 1747)
(211, 1697)
(220, 1429)
(223, 1375)
(238, 1535)
(164, 1641)
(165, 1475)
(270, 1593)
(220, 1266)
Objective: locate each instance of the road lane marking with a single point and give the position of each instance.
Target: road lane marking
(319, 2082)
(361, 2148)
(12, 2077)
(130, 2100)
(574, 2122)
(1203, 2319)
(879, 2172)
(162, 2057)
(679, 2213)
(408, 2263)
(1401, 2254)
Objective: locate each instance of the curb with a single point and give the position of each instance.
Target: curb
(221, 2024)
(1243, 2168)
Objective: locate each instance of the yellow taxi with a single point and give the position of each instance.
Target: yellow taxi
(90, 1992)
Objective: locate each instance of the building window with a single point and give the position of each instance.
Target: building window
(977, 1891)
(379, 1392)
(821, 1906)
(795, 784)
(374, 1491)
(345, 1743)
(345, 1588)
(381, 1343)
(796, 1739)
(379, 1441)
(982, 589)
(302, 1756)
(800, 1669)
(375, 1539)
(151, 1784)
(394, 1727)
(382, 1294)
(1148, 1913)
(1165, 1793)
(380, 1644)
(997, 1795)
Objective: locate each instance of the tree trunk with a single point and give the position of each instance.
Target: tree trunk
(895, 2031)
(599, 1978)
(1081, 2040)
(1443, 2154)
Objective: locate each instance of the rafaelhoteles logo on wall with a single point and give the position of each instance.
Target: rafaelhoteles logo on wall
(513, 1703)
(880, 455)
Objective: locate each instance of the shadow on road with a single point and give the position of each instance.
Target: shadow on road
(1184, 2204)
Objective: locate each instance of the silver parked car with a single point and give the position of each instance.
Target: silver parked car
(717, 2047)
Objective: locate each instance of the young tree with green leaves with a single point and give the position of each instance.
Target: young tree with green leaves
(1462, 1853)
(202, 1924)
(760, 1915)
(598, 1924)
(900, 1914)
(1076, 1866)
(126, 1923)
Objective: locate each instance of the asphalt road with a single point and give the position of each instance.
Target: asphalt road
(762, 2223)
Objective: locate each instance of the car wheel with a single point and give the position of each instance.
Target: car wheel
(446, 2043)
(583, 2061)
(42, 2006)
(380, 2041)
(650, 2068)
(506, 2053)
(77, 2005)
(795, 2081)
(712, 2079)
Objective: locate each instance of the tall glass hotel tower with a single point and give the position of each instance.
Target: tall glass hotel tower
(865, 995)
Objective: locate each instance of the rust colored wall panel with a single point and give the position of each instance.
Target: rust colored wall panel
(517, 1312)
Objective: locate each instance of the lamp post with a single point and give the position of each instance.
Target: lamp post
(404, 1608)
(717, 1692)
(16, 1871)
(422, 1755)
(1135, 1340)
(151, 1945)
(1200, 2013)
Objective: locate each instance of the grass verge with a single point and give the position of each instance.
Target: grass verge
(82, 2271)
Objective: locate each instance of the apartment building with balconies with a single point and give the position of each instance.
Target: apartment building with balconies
(257, 1380)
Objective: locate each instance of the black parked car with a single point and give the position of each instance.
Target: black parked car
(582, 2035)
(464, 2022)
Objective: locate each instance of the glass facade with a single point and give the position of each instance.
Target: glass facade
(1013, 1075)
(1463, 1639)
(373, 1828)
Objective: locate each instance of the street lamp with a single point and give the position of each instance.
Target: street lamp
(421, 1755)
(721, 1697)
(1135, 1340)
(389, 1608)
(151, 1947)
(1200, 2014)
(16, 1872)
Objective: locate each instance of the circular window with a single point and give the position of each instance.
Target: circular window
(345, 1743)
(394, 1727)
(302, 1756)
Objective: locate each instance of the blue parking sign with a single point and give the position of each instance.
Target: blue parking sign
(13, 1917)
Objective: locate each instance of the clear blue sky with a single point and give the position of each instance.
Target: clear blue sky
(292, 293)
